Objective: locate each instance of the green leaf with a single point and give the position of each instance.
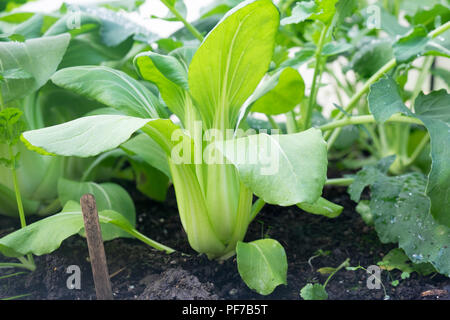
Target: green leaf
(11, 125)
(301, 12)
(314, 291)
(370, 56)
(8, 203)
(34, 58)
(367, 176)
(411, 45)
(322, 10)
(280, 93)
(111, 87)
(262, 264)
(149, 151)
(397, 259)
(363, 208)
(115, 28)
(84, 137)
(108, 196)
(87, 49)
(92, 135)
(46, 235)
(400, 210)
(231, 61)
(280, 169)
(434, 111)
(32, 28)
(345, 8)
(334, 48)
(169, 75)
(427, 16)
(322, 207)
(385, 100)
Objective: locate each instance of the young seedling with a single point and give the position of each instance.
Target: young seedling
(317, 291)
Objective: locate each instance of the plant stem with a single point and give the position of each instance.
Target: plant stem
(291, 124)
(424, 72)
(418, 150)
(317, 75)
(12, 275)
(343, 264)
(16, 265)
(23, 223)
(256, 208)
(150, 242)
(273, 123)
(188, 26)
(343, 182)
(439, 30)
(367, 119)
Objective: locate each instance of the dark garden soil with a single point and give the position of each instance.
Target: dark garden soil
(140, 272)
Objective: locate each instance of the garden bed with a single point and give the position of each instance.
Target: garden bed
(140, 272)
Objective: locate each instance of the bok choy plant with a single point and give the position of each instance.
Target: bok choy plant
(216, 167)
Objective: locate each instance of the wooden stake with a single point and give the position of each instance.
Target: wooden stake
(96, 249)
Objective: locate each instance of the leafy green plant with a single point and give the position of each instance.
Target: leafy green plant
(214, 200)
(195, 109)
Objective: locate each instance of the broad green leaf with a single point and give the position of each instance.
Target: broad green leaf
(367, 176)
(301, 12)
(34, 58)
(400, 211)
(262, 264)
(8, 203)
(280, 93)
(280, 169)
(370, 56)
(111, 87)
(169, 75)
(397, 259)
(434, 111)
(87, 49)
(345, 8)
(325, 11)
(92, 135)
(32, 28)
(46, 235)
(314, 291)
(347, 137)
(334, 48)
(147, 149)
(37, 176)
(385, 100)
(231, 61)
(115, 27)
(108, 196)
(322, 10)
(439, 46)
(322, 207)
(411, 45)
(427, 16)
